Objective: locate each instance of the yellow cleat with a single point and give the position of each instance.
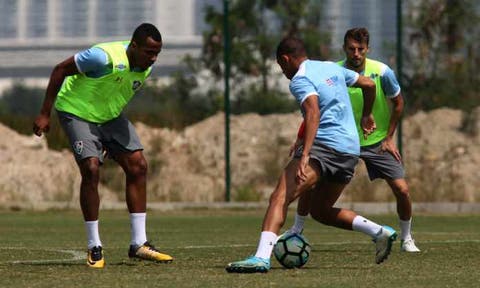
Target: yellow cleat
(148, 252)
(95, 257)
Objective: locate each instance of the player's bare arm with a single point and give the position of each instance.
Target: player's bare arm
(61, 70)
(388, 144)
(369, 92)
(312, 119)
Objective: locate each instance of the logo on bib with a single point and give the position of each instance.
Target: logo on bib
(121, 66)
(136, 84)
(78, 147)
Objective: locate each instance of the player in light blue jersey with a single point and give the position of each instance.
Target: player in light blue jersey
(379, 152)
(327, 158)
(337, 128)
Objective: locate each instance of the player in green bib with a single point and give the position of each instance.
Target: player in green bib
(89, 91)
(378, 151)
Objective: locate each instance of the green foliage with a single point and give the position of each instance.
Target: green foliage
(19, 106)
(255, 29)
(247, 194)
(174, 105)
(21, 100)
(263, 102)
(441, 55)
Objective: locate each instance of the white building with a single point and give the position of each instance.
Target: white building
(37, 34)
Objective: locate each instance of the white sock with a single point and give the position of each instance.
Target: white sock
(366, 226)
(299, 222)
(137, 228)
(405, 227)
(93, 237)
(265, 245)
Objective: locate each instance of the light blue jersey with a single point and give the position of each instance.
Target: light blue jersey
(390, 85)
(389, 81)
(329, 82)
(95, 63)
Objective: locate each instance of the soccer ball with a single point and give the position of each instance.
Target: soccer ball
(292, 250)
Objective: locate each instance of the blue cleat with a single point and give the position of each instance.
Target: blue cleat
(250, 265)
(383, 243)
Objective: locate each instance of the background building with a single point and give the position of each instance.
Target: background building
(37, 34)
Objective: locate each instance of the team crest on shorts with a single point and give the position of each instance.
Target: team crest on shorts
(78, 147)
(136, 84)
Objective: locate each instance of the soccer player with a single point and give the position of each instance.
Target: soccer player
(378, 150)
(328, 156)
(89, 91)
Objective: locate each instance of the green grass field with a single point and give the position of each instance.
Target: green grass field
(47, 249)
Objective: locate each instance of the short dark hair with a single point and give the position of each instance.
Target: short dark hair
(292, 46)
(144, 31)
(358, 34)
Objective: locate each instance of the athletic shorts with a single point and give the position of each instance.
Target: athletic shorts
(335, 166)
(381, 164)
(89, 139)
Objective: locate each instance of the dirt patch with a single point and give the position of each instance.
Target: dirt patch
(441, 154)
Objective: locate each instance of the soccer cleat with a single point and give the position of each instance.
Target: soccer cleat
(250, 265)
(95, 257)
(148, 252)
(383, 243)
(408, 246)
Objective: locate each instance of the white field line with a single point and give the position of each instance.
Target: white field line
(77, 255)
(338, 243)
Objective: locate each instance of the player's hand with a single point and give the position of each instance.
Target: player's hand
(301, 170)
(388, 145)
(41, 125)
(368, 125)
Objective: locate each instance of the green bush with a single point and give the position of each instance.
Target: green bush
(247, 194)
(256, 100)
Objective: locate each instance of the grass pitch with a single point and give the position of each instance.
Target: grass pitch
(47, 249)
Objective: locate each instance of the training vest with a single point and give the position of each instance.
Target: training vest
(99, 100)
(381, 109)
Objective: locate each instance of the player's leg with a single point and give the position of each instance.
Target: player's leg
(89, 197)
(125, 148)
(404, 209)
(303, 209)
(90, 203)
(134, 165)
(323, 211)
(381, 164)
(404, 204)
(87, 149)
(286, 191)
